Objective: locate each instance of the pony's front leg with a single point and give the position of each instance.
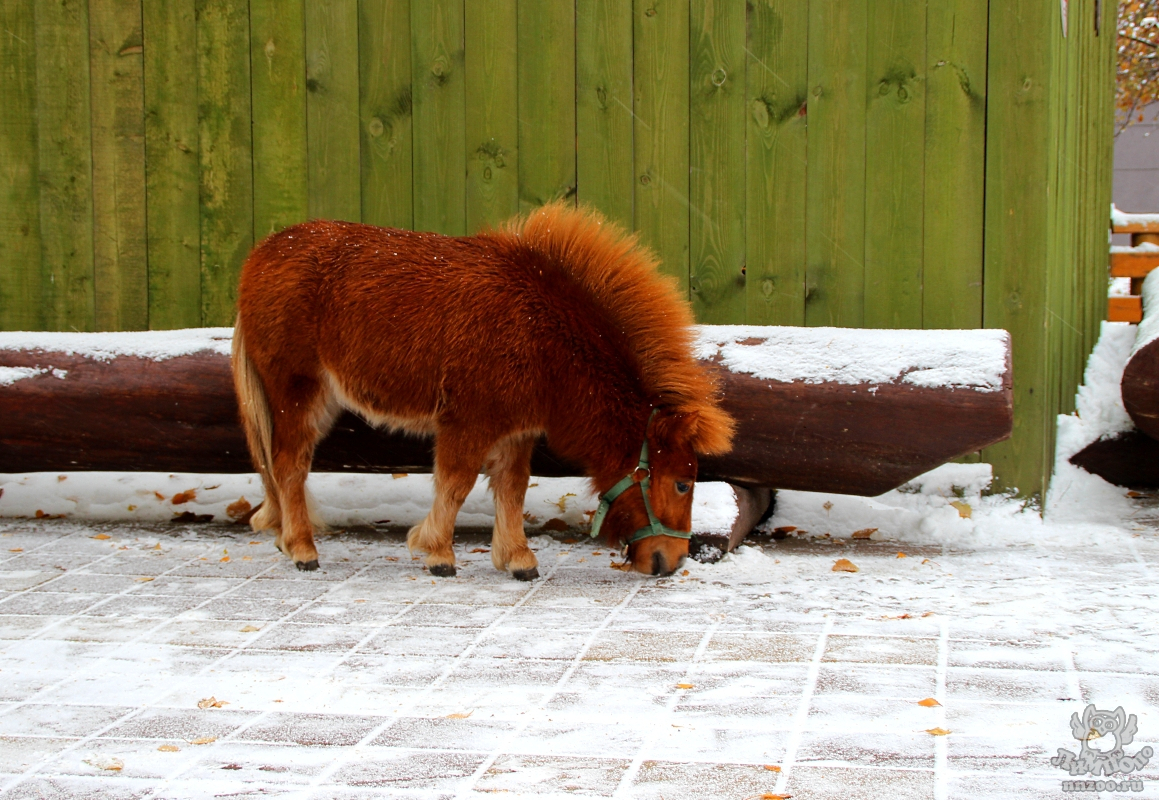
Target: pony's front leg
(509, 468)
(455, 472)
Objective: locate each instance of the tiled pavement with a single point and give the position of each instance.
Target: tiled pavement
(371, 679)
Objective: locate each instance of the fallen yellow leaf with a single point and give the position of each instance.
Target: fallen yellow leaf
(684, 686)
(964, 510)
(101, 536)
(249, 629)
(16, 550)
(397, 475)
(157, 546)
(685, 572)
(204, 740)
(937, 731)
(132, 508)
(169, 748)
(106, 762)
(238, 508)
(901, 555)
(224, 558)
(864, 533)
(772, 768)
(460, 715)
(184, 497)
(145, 579)
(845, 565)
(211, 702)
(929, 702)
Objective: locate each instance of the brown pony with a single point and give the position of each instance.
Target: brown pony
(559, 325)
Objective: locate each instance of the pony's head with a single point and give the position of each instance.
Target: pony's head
(656, 528)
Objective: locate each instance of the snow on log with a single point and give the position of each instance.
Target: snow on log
(820, 409)
(1140, 383)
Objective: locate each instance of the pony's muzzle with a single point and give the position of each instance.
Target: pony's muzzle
(658, 555)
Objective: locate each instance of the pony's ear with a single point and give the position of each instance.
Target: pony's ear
(706, 429)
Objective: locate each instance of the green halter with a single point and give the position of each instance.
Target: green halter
(655, 526)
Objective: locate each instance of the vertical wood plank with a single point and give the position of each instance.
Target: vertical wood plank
(660, 132)
(437, 83)
(492, 81)
(332, 110)
(226, 153)
(278, 96)
(120, 262)
(716, 191)
(835, 275)
(604, 107)
(171, 164)
(776, 159)
(546, 102)
(65, 160)
(1016, 232)
(955, 159)
(384, 72)
(20, 285)
(894, 163)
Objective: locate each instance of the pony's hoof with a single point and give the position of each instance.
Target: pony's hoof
(307, 566)
(525, 574)
(443, 570)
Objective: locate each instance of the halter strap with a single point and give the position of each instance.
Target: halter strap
(655, 527)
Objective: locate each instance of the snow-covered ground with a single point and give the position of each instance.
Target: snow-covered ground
(930, 642)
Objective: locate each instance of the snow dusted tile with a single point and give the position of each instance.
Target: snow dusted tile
(154, 607)
(544, 643)
(835, 714)
(19, 580)
(757, 647)
(327, 638)
(902, 682)
(558, 734)
(250, 766)
(1111, 656)
(615, 645)
(1035, 655)
(21, 626)
(311, 730)
(884, 748)
(1004, 786)
(358, 611)
(482, 673)
(557, 618)
(999, 686)
(728, 681)
(665, 620)
(180, 724)
(842, 783)
(420, 641)
(416, 769)
(665, 780)
(241, 608)
(50, 603)
(389, 670)
(698, 741)
(288, 590)
(881, 650)
(132, 675)
(189, 587)
(530, 775)
(62, 787)
(37, 719)
(98, 629)
(474, 732)
(452, 616)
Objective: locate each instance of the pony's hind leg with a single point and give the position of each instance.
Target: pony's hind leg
(302, 415)
(457, 461)
(509, 468)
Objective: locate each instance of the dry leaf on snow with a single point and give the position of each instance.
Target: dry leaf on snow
(684, 686)
(238, 508)
(937, 731)
(105, 762)
(964, 510)
(169, 748)
(101, 536)
(901, 555)
(864, 533)
(479, 550)
(460, 715)
(772, 768)
(144, 579)
(929, 702)
(184, 497)
(16, 550)
(249, 629)
(845, 565)
(211, 702)
(204, 740)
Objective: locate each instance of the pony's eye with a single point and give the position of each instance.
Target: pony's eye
(682, 488)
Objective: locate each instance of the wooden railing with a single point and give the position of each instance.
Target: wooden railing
(1144, 228)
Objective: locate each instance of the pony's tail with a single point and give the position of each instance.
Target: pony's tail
(258, 423)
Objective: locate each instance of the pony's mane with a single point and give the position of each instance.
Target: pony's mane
(623, 278)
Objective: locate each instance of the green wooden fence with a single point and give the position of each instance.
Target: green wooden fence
(882, 163)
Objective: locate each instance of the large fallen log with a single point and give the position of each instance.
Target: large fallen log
(1140, 382)
(822, 409)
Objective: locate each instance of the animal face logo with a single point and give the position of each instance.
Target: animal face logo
(1102, 736)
